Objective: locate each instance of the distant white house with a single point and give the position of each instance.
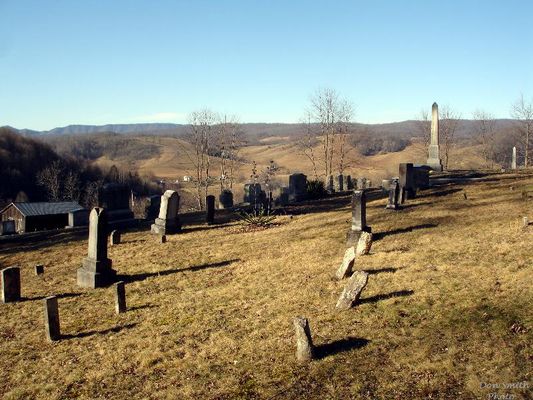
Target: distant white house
(187, 178)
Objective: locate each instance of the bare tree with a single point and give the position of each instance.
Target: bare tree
(71, 186)
(423, 125)
(229, 140)
(345, 115)
(306, 145)
(485, 130)
(522, 111)
(448, 122)
(50, 179)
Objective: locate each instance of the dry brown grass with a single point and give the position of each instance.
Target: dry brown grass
(447, 307)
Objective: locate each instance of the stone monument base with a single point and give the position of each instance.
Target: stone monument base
(393, 206)
(435, 164)
(352, 237)
(165, 227)
(94, 274)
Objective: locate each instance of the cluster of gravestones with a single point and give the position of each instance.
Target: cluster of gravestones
(11, 292)
(343, 183)
(404, 187)
(258, 198)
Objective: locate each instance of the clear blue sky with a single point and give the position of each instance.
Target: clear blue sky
(124, 61)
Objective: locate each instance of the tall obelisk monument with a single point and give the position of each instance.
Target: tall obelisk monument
(434, 160)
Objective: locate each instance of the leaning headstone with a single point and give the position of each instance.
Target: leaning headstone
(304, 341)
(364, 244)
(10, 284)
(297, 187)
(168, 221)
(434, 160)
(210, 209)
(513, 161)
(226, 199)
(407, 179)
(394, 196)
(358, 218)
(51, 318)
(39, 269)
(115, 238)
(345, 269)
(340, 183)
(352, 291)
(96, 268)
(120, 297)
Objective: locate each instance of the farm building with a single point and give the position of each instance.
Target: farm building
(30, 217)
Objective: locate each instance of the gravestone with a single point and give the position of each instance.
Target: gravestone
(39, 269)
(394, 196)
(51, 318)
(96, 268)
(364, 244)
(402, 196)
(407, 179)
(304, 341)
(115, 237)
(210, 209)
(168, 221)
(340, 183)
(297, 187)
(283, 198)
(10, 284)
(120, 297)
(348, 184)
(513, 160)
(352, 291)
(368, 183)
(330, 186)
(434, 160)
(421, 176)
(345, 269)
(525, 222)
(386, 184)
(358, 218)
(226, 199)
(153, 204)
(115, 198)
(360, 183)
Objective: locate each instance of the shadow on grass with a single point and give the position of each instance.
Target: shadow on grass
(339, 346)
(143, 276)
(59, 296)
(216, 225)
(142, 307)
(115, 329)
(380, 235)
(408, 206)
(441, 193)
(379, 297)
(381, 270)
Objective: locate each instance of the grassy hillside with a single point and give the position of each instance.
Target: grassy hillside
(447, 308)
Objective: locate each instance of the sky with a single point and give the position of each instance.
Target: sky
(130, 61)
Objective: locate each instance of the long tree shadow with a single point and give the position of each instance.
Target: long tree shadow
(115, 329)
(441, 193)
(381, 270)
(339, 346)
(145, 275)
(59, 296)
(379, 297)
(380, 235)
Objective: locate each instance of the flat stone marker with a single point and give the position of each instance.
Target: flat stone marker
(364, 244)
(120, 297)
(115, 238)
(210, 210)
(10, 284)
(51, 318)
(345, 270)
(39, 269)
(352, 291)
(304, 342)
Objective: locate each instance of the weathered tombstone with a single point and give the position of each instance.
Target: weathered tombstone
(226, 199)
(421, 176)
(364, 244)
(10, 284)
(358, 218)
(283, 198)
(153, 205)
(352, 291)
(525, 221)
(51, 318)
(210, 209)
(340, 183)
(434, 160)
(115, 198)
(168, 221)
(345, 269)
(297, 187)
(162, 238)
(96, 268)
(360, 183)
(394, 196)
(115, 237)
(304, 341)
(39, 269)
(349, 183)
(120, 297)
(513, 161)
(407, 179)
(368, 183)
(330, 187)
